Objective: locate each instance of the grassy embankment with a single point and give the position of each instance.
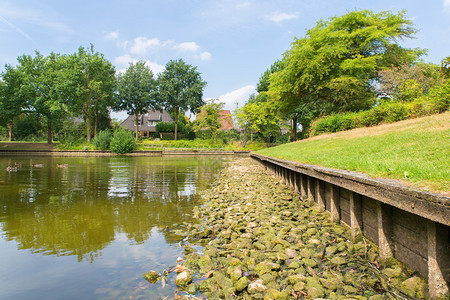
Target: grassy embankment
(416, 151)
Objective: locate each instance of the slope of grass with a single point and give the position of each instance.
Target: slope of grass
(416, 151)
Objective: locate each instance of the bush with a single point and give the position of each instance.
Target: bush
(436, 101)
(102, 140)
(169, 127)
(123, 142)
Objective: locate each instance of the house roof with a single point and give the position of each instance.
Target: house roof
(152, 115)
(224, 118)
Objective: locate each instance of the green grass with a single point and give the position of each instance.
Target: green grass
(26, 146)
(416, 151)
(197, 144)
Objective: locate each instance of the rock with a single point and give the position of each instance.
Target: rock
(183, 278)
(294, 279)
(205, 263)
(263, 268)
(222, 281)
(412, 286)
(338, 260)
(256, 287)
(313, 288)
(291, 253)
(310, 262)
(389, 272)
(151, 276)
(242, 284)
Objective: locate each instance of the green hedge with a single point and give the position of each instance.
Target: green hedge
(436, 101)
(123, 142)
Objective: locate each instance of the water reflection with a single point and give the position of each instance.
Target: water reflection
(81, 209)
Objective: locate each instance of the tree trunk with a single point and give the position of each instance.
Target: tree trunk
(10, 131)
(251, 135)
(136, 123)
(294, 128)
(49, 133)
(95, 124)
(176, 122)
(88, 128)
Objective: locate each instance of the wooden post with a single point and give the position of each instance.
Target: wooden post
(304, 185)
(311, 190)
(320, 195)
(296, 187)
(355, 214)
(385, 244)
(334, 203)
(438, 259)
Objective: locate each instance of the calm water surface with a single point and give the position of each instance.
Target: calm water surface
(91, 230)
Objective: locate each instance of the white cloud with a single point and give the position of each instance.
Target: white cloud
(205, 56)
(240, 96)
(142, 44)
(447, 5)
(280, 17)
(243, 5)
(188, 47)
(123, 61)
(113, 35)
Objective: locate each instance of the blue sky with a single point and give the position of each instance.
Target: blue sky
(231, 42)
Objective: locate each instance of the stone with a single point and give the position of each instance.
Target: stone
(291, 253)
(256, 287)
(183, 278)
(412, 286)
(242, 284)
(337, 260)
(151, 276)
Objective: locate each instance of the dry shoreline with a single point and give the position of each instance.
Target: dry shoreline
(262, 241)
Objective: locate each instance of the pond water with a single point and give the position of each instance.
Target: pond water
(91, 229)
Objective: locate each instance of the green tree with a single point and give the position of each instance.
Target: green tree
(408, 82)
(12, 101)
(334, 67)
(445, 67)
(180, 88)
(94, 81)
(46, 87)
(136, 91)
(209, 117)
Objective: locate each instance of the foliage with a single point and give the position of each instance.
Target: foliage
(332, 69)
(415, 150)
(408, 82)
(12, 101)
(102, 140)
(437, 101)
(123, 142)
(136, 91)
(445, 67)
(209, 118)
(180, 88)
(163, 127)
(93, 79)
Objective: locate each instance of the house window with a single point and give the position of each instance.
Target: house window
(152, 123)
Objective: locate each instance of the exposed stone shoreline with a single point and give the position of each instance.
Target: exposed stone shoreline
(263, 242)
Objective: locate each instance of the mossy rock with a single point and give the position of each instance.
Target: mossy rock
(183, 278)
(151, 276)
(242, 284)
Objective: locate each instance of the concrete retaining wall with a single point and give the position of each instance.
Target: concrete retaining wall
(406, 223)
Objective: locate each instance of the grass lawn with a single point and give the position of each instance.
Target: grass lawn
(416, 151)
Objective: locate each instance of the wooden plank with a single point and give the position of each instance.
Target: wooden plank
(411, 259)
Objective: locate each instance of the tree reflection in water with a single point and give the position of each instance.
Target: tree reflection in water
(80, 209)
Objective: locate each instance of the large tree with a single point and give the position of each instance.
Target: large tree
(209, 117)
(12, 101)
(180, 88)
(334, 67)
(46, 87)
(136, 92)
(94, 81)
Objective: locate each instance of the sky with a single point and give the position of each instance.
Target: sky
(230, 42)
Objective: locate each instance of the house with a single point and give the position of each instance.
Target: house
(147, 122)
(224, 118)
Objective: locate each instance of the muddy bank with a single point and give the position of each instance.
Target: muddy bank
(262, 242)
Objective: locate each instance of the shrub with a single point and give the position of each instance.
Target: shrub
(436, 101)
(123, 142)
(102, 140)
(169, 127)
